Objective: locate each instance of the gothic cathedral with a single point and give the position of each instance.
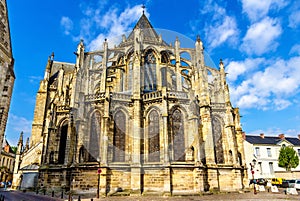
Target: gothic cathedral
(138, 118)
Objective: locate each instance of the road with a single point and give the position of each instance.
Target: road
(20, 196)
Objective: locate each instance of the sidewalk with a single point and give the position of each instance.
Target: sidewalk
(249, 196)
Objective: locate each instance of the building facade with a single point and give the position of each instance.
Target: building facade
(7, 75)
(264, 151)
(141, 115)
(7, 162)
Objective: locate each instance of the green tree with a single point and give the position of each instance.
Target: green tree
(288, 158)
(14, 149)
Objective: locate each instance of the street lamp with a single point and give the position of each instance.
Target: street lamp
(252, 165)
(98, 172)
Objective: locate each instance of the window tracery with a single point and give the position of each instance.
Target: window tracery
(119, 137)
(153, 137)
(177, 137)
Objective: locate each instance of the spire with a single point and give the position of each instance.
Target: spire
(20, 144)
(27, 144)
(143, 7)
(21, 138)
(144, 24)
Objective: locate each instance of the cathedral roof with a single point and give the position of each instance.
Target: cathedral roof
(149, 33)
(67, 67)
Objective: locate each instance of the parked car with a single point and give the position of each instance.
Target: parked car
(285, 184)
(277, 181)
(292, 183)
(297, 184)
(262, 181)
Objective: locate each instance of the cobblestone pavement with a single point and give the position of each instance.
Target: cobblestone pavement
(21, 196)
(248, 196)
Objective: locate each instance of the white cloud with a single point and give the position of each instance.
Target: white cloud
(99, 23)
(222, 31)
(295, 49)
(260, 37)
(35, 79)
(67, 24)
(274, 131)
(19, 124)
(281, 104)
(294, 19)
(271, 88)
(115, 25)
(258, 9)
(237, 68)
(221, 27)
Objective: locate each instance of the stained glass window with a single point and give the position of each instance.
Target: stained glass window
(153, 137)
(119, 137)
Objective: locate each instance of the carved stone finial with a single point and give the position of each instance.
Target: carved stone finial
(143, 7)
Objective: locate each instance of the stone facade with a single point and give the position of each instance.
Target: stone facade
(7, 75)
(141, 113)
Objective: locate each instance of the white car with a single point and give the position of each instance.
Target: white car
(297, 184)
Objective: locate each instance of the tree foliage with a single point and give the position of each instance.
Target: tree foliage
(14, 149)
(288, 158)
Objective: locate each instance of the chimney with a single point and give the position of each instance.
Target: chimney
(262, 135)
(281, 136)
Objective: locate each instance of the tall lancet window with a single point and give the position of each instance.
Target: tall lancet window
(119, 137)
(177, 136)
(153, 137)
(150, 80)
(63, 134)
(94, 141)
(218, 141)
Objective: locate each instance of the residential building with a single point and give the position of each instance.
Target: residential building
(7, 161)
(264, 152)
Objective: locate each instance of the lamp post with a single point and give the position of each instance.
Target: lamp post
(252, 165)
(98, 172)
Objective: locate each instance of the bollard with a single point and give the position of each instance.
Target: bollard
(92, 199)
(52, 193)
(44, 191)
(37, 191)
(79, 199)
(62, 195)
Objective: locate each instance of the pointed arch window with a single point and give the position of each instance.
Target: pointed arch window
(150, 78)
(218, 140)
(119, 137)
(177, 136)
(94, 141)
(153, 137)
(63, 133)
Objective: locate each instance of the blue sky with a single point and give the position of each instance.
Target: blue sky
(257, 40)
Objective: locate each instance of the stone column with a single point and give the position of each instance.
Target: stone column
(178, 64)
(165, 143)
(136, 118)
